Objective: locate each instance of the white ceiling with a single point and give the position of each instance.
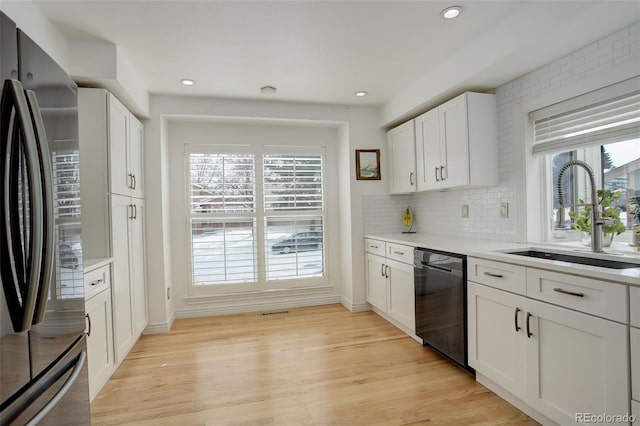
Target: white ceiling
(323, 51)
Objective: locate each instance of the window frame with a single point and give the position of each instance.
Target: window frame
(262, 284)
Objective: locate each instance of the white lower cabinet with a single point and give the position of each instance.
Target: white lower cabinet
(390, 284)
(576, 363)
(129, 281)
(100, 331)
(376, 281)
(635, 411)
(497, 341)
(560, 362)
(401, 294)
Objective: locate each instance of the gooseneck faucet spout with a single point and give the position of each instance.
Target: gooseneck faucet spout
(596, 212)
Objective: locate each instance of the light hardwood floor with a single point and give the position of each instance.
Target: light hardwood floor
(313, 366)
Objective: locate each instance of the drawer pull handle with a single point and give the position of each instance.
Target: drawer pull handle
(515, 319)
(570, 293)
(529, 333)
(490, 274)
(372, 246)
(386, 271)
(96, 282)
(401, 253)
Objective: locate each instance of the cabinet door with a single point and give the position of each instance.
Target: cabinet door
(138, 267)
(124, 331)
(136, 157)
(454, 148)
(576, 363)
(99, 341)
(635, 362)
(496, 340)
(428, 151)
(401, 149)
(376, 281)
(119, 178)
(401, 295)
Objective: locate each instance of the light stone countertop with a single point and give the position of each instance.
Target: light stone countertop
(93, 263)
(496, 250)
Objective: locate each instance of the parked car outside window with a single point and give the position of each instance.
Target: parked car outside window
(300, 241)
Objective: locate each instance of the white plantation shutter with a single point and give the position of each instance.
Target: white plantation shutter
(294, 214)
(221, 183)
(292, 182)
(222, 217)
(256, 213)
(607, 115)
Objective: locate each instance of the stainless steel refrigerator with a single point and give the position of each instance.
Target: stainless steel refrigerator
(43, 368)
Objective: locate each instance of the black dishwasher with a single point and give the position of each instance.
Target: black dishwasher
(441, 302)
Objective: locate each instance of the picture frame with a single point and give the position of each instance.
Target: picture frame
(368, 164)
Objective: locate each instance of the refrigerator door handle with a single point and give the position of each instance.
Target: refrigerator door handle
(77, 365)
(47, 211)
(21, 300)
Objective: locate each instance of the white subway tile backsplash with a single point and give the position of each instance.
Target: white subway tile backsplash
(440, 213)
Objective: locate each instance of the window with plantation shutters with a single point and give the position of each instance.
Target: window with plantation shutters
(257, 214)
(294, 215)
(222, 217)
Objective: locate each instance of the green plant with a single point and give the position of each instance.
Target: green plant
(636, 210)
(610, 210)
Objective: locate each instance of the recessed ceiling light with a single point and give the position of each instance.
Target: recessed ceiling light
(268, 90)
(187, 82)
(361, 93)
(451, 12)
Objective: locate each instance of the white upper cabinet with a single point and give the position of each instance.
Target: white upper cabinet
(457, 144)
(125, 150)
(402, 159)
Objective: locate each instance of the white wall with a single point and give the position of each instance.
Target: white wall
(612, 59)
(246, 132)
(357, 128)
(30, 19)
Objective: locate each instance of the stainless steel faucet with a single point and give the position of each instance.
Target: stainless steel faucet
(596, 210)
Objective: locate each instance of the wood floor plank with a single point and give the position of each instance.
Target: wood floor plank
(313, 366)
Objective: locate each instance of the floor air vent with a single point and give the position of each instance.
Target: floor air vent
(268, 314)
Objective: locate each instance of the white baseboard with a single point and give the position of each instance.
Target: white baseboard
(160, 328)
(355, 307)
(216, 308)
(514, 400)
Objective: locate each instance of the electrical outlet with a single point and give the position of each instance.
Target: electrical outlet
(465, 211)
(504, 210)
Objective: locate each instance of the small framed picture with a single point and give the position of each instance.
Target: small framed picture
(368, 164)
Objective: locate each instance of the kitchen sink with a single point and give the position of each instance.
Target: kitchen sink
(603, 263)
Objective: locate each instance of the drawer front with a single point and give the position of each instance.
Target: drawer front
(595, 297)
(374, 246)
(400, 252)
(504, 276)
(634, 303)
(96, 281)
(635, 363)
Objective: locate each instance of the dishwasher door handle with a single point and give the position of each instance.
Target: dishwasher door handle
(441, 268)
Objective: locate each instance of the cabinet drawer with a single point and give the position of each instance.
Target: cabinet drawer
(595, 297)
(400, 252)
(374, 246)
(634, 303)
(497, 274)
(97, 280)
(635, 363)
